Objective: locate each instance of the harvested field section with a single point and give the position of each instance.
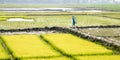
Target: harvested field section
(111, 34)
(105, 32)
(28, 46)
(73, 45)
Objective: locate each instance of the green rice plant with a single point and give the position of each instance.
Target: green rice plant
(3, 53)
(25, 46)
(115, 7)
(13, 16)
(81, 20)
(94, 20)
(73, 45)
(103, 57)
(3, 19)
(113, 16)
(62, 21)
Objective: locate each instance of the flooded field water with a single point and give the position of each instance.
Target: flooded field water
(49, 10)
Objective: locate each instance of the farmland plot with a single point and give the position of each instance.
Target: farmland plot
(108, 33)
(53, 58)
(62, 21)
(115, 15)
(105, 32)
(3, 53)
(104, 57)
(75, 46)
(28, 46)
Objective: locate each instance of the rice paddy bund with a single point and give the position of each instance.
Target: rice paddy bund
(54, 46)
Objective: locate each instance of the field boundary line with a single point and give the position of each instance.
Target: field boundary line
(6, 48)
(57, 49)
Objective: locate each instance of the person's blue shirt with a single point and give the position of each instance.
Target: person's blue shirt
(73, 21)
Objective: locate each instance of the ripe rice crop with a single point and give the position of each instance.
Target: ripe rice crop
(28, 46)
(55, 58)
(3, 53)
(74, 45)
(104, 57)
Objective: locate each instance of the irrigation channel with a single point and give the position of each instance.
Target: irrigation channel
(108, 43)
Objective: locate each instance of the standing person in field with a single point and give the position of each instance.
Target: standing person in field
(73, 21)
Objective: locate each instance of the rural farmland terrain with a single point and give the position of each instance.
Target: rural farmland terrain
(47, 31)
(32, 45)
